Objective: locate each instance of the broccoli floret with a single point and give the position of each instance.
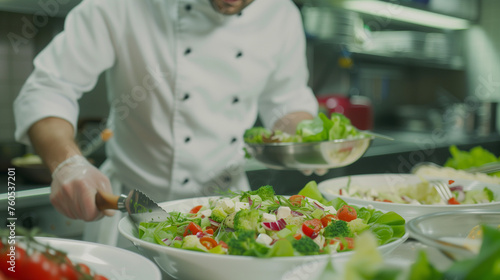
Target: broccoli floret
(265, 192)
(245, 244)
(218, 214)
(337, 228)
(306, 246)
(247, 219)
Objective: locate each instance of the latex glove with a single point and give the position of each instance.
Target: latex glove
(75, 183)
(319, 172)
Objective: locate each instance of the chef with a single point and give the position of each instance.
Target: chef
(185, 79)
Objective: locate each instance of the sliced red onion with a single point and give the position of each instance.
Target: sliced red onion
(167, 241)
(200, 234)
(258, 206)
(275, 226)
(405, 198)
(295, 213)
(214, 223)
(456, 188)
(250, 202)
(318, 206)
(178, 238)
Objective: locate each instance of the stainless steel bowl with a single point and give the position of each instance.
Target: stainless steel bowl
(448, 231)
(310, 155)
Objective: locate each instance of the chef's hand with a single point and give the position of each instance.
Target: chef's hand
(319, 172)
(75, 183)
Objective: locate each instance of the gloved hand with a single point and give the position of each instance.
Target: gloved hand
(75, 183)
(319, 172)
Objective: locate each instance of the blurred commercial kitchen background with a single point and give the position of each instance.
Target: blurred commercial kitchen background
(426, 72)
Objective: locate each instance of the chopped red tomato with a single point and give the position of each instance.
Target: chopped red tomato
(345, 243)
(296, 200)
(223, 244)
(209, 231)
(195, 209)
(312, 227)
(347, 213)
(297, 236)
(208, 242)
(327, 219)
(192, 228)
(451, 182)
(453, 200)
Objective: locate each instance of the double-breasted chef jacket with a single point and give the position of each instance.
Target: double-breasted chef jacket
(183, 82)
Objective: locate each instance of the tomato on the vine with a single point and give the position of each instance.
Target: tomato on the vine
(43, 267)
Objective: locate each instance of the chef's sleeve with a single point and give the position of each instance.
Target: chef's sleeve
(69, 66)
(287, 90)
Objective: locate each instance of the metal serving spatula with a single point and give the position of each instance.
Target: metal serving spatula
(139, 206)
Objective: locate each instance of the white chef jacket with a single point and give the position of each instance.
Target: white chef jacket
(183, 82)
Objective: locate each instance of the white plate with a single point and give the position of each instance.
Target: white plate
(186, 264)
(111, 262)
(383, 182)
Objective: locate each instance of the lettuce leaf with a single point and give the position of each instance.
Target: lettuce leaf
(477, 156)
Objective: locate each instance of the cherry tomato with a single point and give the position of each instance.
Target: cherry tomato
(68, 271)
(223, 244)
(325, 221)
(195, 209)
(296, 200)
(208, 242)
(192, 228)
(344, 241)
(347, 213)
(83, 268)
(43, 267)
(21, 259)
(453, 200)
(312, 227)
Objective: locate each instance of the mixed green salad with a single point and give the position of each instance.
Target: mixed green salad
(321, 128)
(421, 193)
(262, 224)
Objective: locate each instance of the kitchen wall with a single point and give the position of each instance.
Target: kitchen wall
(483, 56)
(22, 37)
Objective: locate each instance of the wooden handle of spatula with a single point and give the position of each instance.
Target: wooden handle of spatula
(105, 200)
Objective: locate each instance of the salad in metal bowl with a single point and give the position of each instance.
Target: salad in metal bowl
(262, 224)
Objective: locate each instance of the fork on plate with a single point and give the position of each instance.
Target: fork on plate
(443, 190)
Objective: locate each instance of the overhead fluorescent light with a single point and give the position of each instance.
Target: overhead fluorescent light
(406, 14)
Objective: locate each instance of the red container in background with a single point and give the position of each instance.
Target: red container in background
(357, 108)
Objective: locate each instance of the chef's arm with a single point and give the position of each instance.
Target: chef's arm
(289, 122)
(53, 140)
(75, 181)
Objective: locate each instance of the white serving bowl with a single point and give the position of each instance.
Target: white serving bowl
(384, 182)
(187, 265)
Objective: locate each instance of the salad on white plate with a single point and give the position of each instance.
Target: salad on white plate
(262, 224)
